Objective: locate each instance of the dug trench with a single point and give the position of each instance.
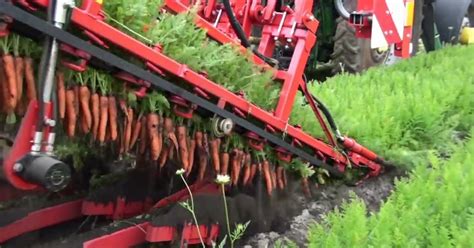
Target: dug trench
(286, 215)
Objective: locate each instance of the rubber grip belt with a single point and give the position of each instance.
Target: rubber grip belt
(157, 82)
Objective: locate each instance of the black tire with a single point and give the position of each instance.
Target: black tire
(352, 54)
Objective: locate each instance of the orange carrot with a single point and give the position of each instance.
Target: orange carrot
(202, 163)
(267, 176)
(136, 130)
(3, 89)
(236, 166)
(253, 171)
(103, 108)
(224, 163)
(61, 92)
(153, 123)
(112, 111)
(198, 138)
(143, 135)
(305, 185)
(30, 79)
(164, 155)
(9, 65)
(20, 73)
(214, 150)
(84, 98)
(183, 146)
(71, 112)
(274, 181)
(279, 177)
(192, 149)
(128, 129)
(95, 103)
(247, 169)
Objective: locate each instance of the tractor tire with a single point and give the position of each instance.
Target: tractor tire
(351, 54)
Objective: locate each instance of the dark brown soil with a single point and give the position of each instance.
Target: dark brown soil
(325, 199)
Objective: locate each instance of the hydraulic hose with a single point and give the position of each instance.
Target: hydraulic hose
(241, 34)
(328, 116)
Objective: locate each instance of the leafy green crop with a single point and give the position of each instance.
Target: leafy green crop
(183, 41)
(403, 111)
(434, 208)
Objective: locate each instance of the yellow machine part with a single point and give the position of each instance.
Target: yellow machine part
(467, 36)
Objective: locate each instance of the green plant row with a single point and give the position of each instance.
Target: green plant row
(434, 208)
(183, 41)
(404, 111)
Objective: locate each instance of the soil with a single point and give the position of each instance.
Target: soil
(325, 199)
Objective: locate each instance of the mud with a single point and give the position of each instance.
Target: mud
(325, 199)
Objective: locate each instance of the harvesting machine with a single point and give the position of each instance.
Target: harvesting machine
(275, 37)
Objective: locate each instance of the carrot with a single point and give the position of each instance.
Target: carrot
(224, 163)
(274, 181)
(305, 185)
(164, 155)
(153, 122)
(128, 129)
(214, 150)
(202, 163)
(253, 171)
(3, 89)
(192, 149)
(247, 169)
(143, 135)
(112, 110)
(198, 138)
(20, 73)
(136, 130)
(279, 177)
(84, 98)
(30, 79)
(95, 104)
(9, 65)
(236, 166)
(267, 176)
(61, 92)
(183, 146)
(168, 130)
(71, 112)
(103, 108)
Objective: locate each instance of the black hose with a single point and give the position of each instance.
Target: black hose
(241, 34)
(326, 113)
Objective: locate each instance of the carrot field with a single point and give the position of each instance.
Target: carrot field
(418, 113)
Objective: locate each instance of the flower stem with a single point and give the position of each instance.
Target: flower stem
(227, 216)
(192, 212)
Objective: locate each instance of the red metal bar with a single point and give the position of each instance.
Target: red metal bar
(41, 219)
(127, 237)
(21, 147)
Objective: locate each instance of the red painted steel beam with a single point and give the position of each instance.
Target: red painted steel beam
(127, 237)
(41, 219)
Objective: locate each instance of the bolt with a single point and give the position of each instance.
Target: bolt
(390, 32)
(386, 33)
(17, 167)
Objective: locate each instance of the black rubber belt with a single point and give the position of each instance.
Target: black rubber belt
(156, 81)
